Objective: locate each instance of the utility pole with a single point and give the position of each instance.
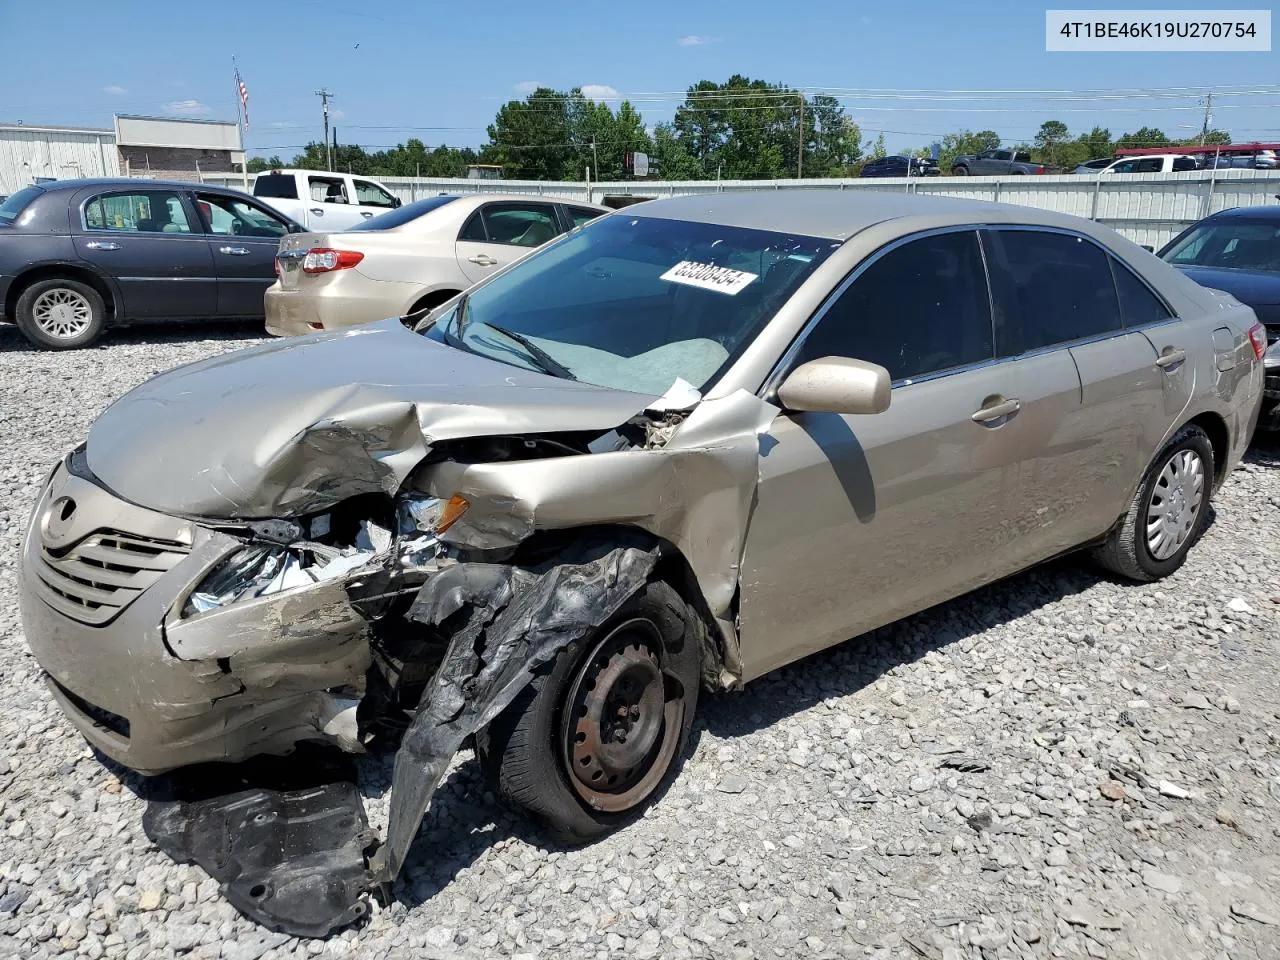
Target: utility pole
(595, 158)
(325, 96)
(1208, 118)
(800, 143)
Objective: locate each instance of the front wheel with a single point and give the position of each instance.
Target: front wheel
(959, 171)
(61, 314)
(1168, 513)
(595, 737)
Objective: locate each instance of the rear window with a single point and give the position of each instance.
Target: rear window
(15, 204)
(282, 186)
(402, 215)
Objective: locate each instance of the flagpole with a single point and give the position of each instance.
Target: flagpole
(244, 150)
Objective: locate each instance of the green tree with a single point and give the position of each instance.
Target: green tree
(1050, 139)
(1096, 144)
(672, 157)
(1144, 137)
(259, 164)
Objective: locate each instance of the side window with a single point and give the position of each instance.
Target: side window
(228, 216)
(1138, 305)
(1125, 166)
(369, 194)
(919, 309)
(151, 212)
(581, 215)
(328, 189)
(520, 225)
(1183, 164)
(1149, 165)
(1053, 288)
(473, 229)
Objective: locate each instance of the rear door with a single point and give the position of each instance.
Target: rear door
(330, 204)
(1092, 389)
(371, 199)
(503, 231)
(150, 241)
(244, 238)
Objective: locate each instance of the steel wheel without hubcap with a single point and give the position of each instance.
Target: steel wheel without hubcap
(620, 729)
(1175, 504)
(62, 313)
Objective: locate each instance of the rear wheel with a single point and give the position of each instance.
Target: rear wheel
(1168, 513)
(60, 314)
(596, 736)
(959, 171)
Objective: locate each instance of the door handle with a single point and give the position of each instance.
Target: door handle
(996, 411)
(317, 211)
(483, 260)
(366, 214)
(102, 245)
(234, 251)
(1171, 357)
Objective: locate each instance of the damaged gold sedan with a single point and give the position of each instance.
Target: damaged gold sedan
(684, 445)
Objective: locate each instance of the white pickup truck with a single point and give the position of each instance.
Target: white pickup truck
(321, 201)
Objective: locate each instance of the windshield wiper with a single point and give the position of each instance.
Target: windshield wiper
(542, 360)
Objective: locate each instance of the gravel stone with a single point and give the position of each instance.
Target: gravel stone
(818, 815)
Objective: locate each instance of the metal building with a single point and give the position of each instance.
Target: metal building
(32, 153)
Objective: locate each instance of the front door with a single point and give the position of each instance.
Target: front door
(149, 242)
(371, 199)
(330, 206)
(500, 232)
(861, 520)
(244, 238)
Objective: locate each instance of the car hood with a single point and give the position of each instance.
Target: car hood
(293, 426)
(1254, 289)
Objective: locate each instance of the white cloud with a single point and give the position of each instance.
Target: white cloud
(335, 114)
(599, 91)
(526, 86)
(186, 108)
(693, 40)
(114, 90)
(284, 124)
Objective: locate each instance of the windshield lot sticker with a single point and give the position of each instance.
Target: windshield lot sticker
(709, 277)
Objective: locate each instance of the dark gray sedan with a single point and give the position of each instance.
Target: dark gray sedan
(77, 255)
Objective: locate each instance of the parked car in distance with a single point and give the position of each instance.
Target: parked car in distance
(1093, 166)
(683, 446)
(996, 163)
(1154, 163)
(410, 259)
(616, 201)
(1238, 251)
(900, 166)
(323, 201)
(79, 255)
(1260, 160)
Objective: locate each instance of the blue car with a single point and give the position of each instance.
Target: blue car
(1239, 251)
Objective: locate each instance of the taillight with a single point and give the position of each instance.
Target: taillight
(323, 260)
(1258, 337)
(1039, 169)
(276, 263)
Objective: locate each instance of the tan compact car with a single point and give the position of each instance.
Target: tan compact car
(691, 442)
(410, 259)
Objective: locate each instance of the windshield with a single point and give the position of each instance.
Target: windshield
(14, 205)
(1229, 244)
(635, 303)
(402, 215)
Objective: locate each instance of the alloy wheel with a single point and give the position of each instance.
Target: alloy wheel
(62, 313)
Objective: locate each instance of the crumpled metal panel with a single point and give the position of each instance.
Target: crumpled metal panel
(506, 621)
(294, 426)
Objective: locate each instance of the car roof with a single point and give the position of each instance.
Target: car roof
(1270, 212)
(838, 214)
(141, 183)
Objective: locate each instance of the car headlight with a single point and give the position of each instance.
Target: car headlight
(251, 571)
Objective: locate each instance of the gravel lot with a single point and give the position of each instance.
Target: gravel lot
(1055, 766)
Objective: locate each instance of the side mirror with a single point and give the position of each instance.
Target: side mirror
(836, 385)
(395, 202)
(1147, 247)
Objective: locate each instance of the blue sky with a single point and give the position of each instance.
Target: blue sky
(445, 68)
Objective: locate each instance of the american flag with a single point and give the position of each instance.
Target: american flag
(244, 96)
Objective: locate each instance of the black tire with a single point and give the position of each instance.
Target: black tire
(1127, 551)
(528, 749)
(79, 297)
(959, 171)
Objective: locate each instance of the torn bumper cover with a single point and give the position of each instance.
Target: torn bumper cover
(506, 622)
